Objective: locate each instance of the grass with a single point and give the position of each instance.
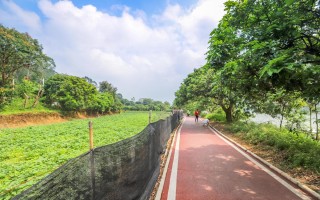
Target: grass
(17, 107)
(29, 154)
(217, 115)
(298, 150)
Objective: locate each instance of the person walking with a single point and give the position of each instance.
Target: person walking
(196, 114)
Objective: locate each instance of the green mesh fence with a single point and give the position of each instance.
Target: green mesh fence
(124, 170)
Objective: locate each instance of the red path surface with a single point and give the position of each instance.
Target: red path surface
(210, 168)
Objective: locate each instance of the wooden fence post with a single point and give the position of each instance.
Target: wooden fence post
(150, 111)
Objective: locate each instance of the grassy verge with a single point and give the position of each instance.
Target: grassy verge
(294, 154)
(17, 107)
(297, 149)
(28, 154)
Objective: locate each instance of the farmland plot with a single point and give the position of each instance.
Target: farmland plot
(29, 154)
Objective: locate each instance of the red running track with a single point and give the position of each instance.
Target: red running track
(208, 167)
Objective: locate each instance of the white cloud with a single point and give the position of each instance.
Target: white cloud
(19, 17)
(141, 58)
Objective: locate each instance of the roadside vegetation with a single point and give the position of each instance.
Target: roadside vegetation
(297, 149)
(263, 57)
(30, 153)
(294, 152)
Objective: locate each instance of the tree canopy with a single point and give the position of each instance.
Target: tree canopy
(20, 51)
(262, 52)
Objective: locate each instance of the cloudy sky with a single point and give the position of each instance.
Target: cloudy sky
(145, 48)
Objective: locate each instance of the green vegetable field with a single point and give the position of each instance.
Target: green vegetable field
(29, 154)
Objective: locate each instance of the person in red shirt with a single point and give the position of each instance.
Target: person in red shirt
(196, 113)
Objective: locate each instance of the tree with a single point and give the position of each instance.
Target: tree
(105, 86)
(19, 51)
(220, 80)
(102, 103)
(71, 93)
(26, 89)
(89, 80)
(282, 40)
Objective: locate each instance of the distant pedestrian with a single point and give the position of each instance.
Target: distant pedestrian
(196, 114)
(205, 122)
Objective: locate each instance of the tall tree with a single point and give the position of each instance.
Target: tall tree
(20, 51)
(91, 81)
(71, 93)
(105, 86)
(283, 39)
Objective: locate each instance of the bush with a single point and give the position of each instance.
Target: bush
(71, 93)
(27, 88)
(217, 115)
(6, 96)
(298, 150)
(237, 127)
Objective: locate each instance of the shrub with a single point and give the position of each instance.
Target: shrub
(298, 150)
(217, 115)
(241, 127)
(70, 92)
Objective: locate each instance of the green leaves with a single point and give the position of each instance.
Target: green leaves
(19, 51)
(31, 153)
(259, 47)
(75, 94)
(20, 56)
(289, 2)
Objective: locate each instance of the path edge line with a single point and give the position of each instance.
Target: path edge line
(165, 170)
(282, 173)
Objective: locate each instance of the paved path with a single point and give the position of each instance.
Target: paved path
(205, 166)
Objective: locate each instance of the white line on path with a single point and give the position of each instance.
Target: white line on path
(165, 170)
(174, 171)
(284, 183)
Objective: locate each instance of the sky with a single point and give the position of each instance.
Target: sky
(145, 48)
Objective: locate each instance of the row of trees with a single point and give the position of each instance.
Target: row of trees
(75, 94)
(28, 73)
(264, 56)
(145, 104)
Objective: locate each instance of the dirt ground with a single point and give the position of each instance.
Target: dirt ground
(29, 119)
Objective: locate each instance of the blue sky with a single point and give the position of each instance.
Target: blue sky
(144, 48)
(149, 6)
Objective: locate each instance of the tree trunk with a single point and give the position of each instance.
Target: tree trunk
(282, 115)
(317, 128)
(36, 101)
(310, 111)
(228, 112)
(26, 97)
(229, 115)
(3, 76)
(281, 120)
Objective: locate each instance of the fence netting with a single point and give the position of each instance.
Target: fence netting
(124, 170)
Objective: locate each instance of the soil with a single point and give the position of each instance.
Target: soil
(29, 119)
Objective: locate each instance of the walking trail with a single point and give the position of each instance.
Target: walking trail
(205, 166)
